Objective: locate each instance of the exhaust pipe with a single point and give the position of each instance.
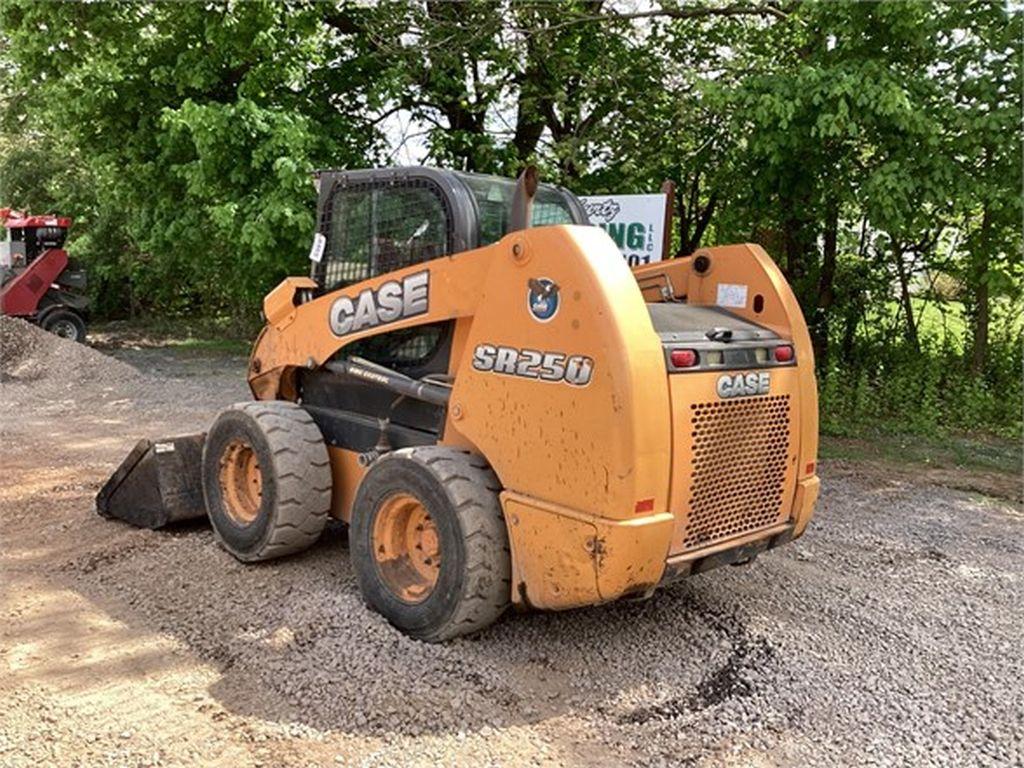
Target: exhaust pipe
(522, 199)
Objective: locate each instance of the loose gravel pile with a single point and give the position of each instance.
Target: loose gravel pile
(57, 377)
(889, 635)
(54, 365)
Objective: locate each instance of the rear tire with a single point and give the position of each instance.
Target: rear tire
(266, 480)
(454, 495)
(65, 323)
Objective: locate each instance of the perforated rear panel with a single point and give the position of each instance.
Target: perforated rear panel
(740, 464)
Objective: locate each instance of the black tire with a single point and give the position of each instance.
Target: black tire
(460, 493)
(291, 509)
(65, 323)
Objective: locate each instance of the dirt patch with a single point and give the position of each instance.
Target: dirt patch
(731, 678)
(997, 485)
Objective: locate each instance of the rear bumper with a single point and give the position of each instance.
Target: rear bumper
(743, 549)
(726, 553)
(564, 558)
(807, 491)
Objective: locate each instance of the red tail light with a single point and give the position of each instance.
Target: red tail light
(784, 353)
(683, 358)
(644, 505)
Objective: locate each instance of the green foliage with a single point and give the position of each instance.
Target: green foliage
(197, 126)
(872, 147)
(931, 392)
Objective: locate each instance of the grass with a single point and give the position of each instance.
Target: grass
(226, 346)
(943, 322)
(202, 337)
(957, 452)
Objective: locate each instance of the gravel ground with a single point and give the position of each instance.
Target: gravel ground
(889, 635)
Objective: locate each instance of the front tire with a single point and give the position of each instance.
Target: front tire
(429, 543)
(266, 480)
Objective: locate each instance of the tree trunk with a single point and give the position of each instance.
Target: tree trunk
(799, 231)
(798, 236)
(905, 302)
(792, 247)
(527, 134)
(535, 100)
(851, 318)
(979, 287)
(444, 77)
(853, 311)
(826, 288)
(693, 217)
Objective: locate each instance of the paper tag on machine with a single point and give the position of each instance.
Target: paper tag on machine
(732, 295)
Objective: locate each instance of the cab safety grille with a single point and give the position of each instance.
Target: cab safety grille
(740, 453)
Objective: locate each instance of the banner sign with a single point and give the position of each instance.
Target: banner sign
(635, 222)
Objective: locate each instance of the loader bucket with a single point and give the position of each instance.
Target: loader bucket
(157, 483)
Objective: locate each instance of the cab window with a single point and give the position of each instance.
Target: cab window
(493, 197)
(372, 229)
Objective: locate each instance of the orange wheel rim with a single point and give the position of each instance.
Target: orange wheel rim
(406, 547)
(241, 482)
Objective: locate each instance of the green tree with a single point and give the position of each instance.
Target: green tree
(873, 148)
(200, 124)
(982, 102)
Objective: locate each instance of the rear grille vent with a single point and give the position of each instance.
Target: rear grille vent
(740, 453)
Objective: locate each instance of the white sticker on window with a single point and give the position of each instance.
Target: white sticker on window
(731, 295)
(316, 253)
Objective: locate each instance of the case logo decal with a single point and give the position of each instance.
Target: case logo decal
(743, 384)
(533, 364)
(392, 301)
(542, 298)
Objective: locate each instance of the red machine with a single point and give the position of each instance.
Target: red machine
(36, 280)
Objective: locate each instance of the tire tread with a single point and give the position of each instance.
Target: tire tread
(472, 487)
(302, 471)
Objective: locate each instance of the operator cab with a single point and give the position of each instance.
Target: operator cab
(377, 221)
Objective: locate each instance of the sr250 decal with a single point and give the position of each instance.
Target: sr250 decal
(532, 364)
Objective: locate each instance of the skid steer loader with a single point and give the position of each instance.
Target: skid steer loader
(502, 411)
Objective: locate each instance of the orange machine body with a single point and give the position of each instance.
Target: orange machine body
(619, 473)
